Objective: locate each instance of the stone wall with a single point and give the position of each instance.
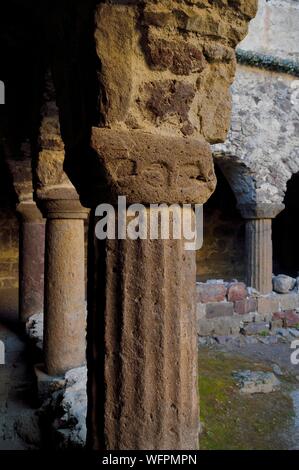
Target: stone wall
(9, 236)
(262, 149)
(9, 247)
(225, 308)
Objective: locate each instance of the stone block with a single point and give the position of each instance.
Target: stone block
(283, 284)
(289, 318)
(46, 384)
(219, 309)
(289, 301)
(236, 291)
(211, 292)
(222, 326)
(266, 305)
(242, 307)
(255, 328)
(200, 311)
(177, 56)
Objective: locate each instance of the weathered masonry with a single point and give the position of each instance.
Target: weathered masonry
(128, 96)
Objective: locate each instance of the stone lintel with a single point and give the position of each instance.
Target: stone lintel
(260, 210)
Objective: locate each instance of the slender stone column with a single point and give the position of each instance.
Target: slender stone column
(65, 312)
(142, 391)
(259, 250)
(31, 260)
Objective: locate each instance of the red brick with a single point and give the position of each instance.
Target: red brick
(237, 291)
(211, 292)
(242, 307)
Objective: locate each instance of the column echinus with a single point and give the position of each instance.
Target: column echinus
(31, 237)
(65, 306)
(258, 243)
(166, 69)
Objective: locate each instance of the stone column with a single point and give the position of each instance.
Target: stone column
(31, 260)
(165, 74)
(65, 311)
(142, 336)
(142, 391)
(259, 251)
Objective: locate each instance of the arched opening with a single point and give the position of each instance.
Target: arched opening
(285, 232)
(223, 253)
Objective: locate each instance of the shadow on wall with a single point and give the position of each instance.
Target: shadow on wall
(223, 253)
(285, 232)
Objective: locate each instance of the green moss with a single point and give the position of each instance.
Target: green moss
(264, 333)
(234, 421)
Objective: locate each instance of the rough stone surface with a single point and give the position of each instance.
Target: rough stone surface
(35, 329)
(210, 292)
(283, 284)
(242, 307)
(219, 309)
(65, 411)
(289, 318)
(274, 29)
(256, 382)
(180, 44)
(255, 328)
(46, 384)
(237, 291)
(151, 315)
(141, 167)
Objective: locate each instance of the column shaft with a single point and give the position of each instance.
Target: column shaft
(65, 317)
(31, 268)
(259, 254)
(142, 353)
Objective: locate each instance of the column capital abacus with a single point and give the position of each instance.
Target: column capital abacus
(260, 210)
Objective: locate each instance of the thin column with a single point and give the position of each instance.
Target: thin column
(31, 260)
(258, 241)
(65, 311)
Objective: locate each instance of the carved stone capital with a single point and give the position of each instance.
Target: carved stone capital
(260, 210)
(149, 168)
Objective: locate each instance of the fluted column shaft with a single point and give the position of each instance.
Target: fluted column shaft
(258, 240)
(31, 260)
(65, 311)
(259, 254)
(142, 356)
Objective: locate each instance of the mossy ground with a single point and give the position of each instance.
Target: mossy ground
(234, 421)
